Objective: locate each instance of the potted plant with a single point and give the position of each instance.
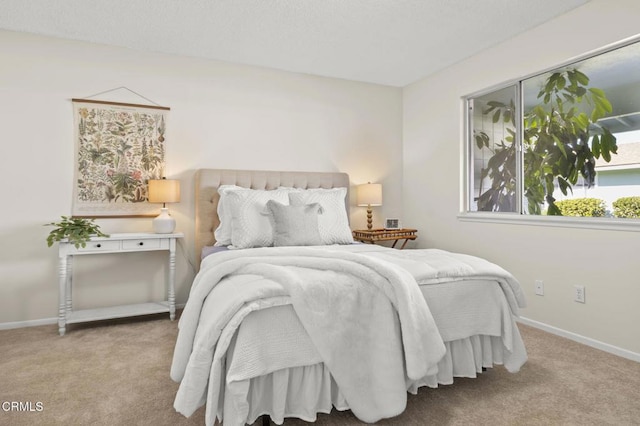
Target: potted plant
(76, 230)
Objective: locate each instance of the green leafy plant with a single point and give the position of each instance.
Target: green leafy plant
(76, 230)
(627, 207)
(561, 142)
(583, 207)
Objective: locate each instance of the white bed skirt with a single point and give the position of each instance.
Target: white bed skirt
(303, 392)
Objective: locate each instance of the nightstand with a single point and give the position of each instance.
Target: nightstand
(373, 236)
(116, 243)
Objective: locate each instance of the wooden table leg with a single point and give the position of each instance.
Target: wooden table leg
(69, 285)
(172, 279)
(62, 294)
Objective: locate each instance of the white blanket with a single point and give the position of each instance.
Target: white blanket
(433, 266)
(370, 372)
(348, 303)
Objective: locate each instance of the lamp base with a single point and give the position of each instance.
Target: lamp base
(164, 224)
(369, 218)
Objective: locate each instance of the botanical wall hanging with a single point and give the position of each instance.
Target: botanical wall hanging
(119, 147)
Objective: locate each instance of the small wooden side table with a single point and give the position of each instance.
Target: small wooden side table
(373, 236)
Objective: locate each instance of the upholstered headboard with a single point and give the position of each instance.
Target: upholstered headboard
(207, 182)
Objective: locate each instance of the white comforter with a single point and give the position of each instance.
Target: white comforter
(358, 337)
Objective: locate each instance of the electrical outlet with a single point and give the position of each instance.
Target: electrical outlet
(578, 293)
(539, 288)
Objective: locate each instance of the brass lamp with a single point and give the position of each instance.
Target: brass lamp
(164, 191)
(369, 194)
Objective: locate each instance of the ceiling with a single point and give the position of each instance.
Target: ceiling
(390, 42)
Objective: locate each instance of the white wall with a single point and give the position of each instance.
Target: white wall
(222, 116)
(604, 261)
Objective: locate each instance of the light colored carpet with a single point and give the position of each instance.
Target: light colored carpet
(117, 373)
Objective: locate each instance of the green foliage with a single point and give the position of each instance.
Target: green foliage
(501, 167)
(78, 231)
(627, 207)
(556, 144)
(582, 207)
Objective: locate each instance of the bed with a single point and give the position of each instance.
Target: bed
(269, 329)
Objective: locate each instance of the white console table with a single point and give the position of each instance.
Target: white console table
(116, 243)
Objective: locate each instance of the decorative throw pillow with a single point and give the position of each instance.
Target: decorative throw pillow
(222, 233)
(294, 225)
(250, 226)
(333, 224)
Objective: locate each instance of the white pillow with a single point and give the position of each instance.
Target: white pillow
(250, 226)
(222, 233)
(294, 225)
(333, 223)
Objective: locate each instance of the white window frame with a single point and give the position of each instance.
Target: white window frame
(520, 218)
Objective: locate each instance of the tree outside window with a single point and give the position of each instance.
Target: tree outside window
(563, 144)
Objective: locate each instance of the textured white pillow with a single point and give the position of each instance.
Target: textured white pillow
(223, 231)
(333, 223)
(294, 225)
(250, 226)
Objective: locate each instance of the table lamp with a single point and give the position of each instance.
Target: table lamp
(164, 191)
(369, 194)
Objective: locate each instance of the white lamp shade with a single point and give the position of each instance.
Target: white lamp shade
(369, 194)
(164, 191)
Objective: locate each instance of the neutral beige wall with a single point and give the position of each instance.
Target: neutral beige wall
(222, 116)
(604, 261)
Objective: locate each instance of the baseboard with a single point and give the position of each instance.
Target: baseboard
(42, 321)
(30, 323)
(624, 353)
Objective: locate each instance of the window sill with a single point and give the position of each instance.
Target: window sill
(607, 224)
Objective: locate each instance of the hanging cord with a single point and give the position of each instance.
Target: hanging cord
(125, 88)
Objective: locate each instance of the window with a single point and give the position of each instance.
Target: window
(493, 168)
(561, 143)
